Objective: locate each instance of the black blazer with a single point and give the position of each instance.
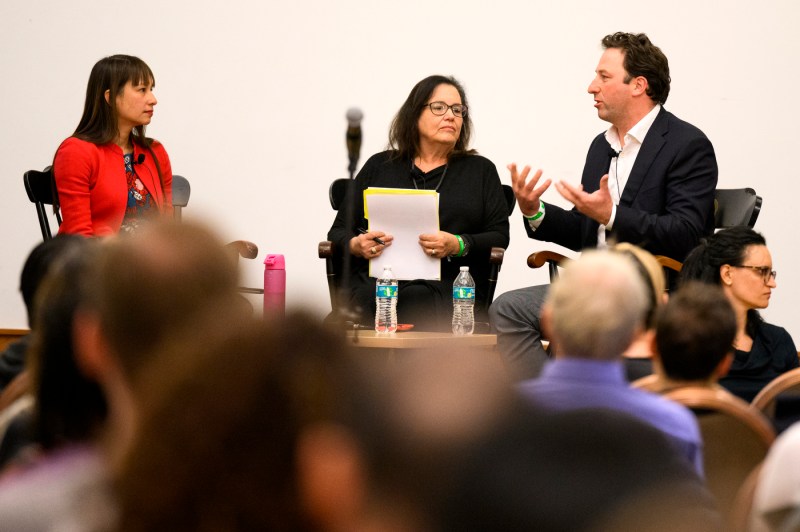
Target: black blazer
(667, 204)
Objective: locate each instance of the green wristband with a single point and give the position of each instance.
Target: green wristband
(538, 214)
(460, 245)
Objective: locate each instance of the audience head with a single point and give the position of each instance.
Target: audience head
(107, 81)
(596, 307)
(425, 416)
(69, 406)
(642, 58)
(737, 259)
(695, 333)
(580, 470)
(652, 274)
(404, 134)
(228, 404)
(148, 285)
(726, 248)
(35, 269)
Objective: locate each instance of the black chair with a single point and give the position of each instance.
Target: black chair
(41, 190)
(40, 186)
(732, 208)
(333, 256)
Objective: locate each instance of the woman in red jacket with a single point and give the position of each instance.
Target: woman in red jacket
(109, 176)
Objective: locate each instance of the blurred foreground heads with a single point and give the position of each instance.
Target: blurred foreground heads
(102, 319)
(274, 425)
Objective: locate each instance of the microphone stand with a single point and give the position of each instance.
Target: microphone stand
(347, 314)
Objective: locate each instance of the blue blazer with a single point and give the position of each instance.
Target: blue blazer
(667, 204)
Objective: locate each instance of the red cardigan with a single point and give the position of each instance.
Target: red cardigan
(93, 189)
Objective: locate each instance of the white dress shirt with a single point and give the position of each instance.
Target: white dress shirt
(620, 168)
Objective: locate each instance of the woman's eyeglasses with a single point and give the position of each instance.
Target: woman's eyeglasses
(440, 108)
(765, 272)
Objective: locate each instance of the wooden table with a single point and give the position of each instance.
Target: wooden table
(417, 347)
(420, 340)
(11, 335)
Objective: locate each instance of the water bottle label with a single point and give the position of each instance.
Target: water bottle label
(463, 292)
(385, 291)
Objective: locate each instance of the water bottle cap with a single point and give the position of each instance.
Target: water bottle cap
(275, 262)
(465, 268)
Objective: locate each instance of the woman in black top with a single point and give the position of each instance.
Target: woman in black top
(429, 149)
(739, 261)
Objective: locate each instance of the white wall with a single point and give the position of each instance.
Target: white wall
(253, 96)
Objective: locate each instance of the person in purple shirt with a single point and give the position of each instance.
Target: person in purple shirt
(593, 312)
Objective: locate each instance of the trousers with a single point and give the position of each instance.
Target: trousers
(515, 316)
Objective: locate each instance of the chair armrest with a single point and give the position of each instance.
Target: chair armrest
(667, 262)
(540, 258)
(243, 248)
(325, 249)
(496, 256)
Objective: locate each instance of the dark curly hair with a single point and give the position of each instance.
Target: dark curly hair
(728, 246)
(642, 58)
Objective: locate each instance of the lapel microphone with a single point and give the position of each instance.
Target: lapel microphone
(139, 159)
(614, 154)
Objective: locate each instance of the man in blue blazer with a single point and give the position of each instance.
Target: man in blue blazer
(648, 180)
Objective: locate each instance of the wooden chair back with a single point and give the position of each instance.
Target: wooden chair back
(736, 438)
(779, 400)
(741, 514)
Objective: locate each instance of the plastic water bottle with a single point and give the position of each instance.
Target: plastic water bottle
(386, 302)
(275, 285)
(463, 303)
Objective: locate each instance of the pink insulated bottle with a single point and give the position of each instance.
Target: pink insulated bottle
(274, 285)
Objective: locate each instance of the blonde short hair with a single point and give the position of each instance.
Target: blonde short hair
(597, 304)
(652, 274)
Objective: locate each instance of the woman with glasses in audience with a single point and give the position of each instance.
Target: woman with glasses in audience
(738, 260)
(429, 150)
(108, 175)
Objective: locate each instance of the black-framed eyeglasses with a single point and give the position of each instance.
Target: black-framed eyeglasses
(440, 108)
(765, 272)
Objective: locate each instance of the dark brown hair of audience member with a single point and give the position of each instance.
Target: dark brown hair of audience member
(427, 411)
(404, 131)
(69, 407)
(728, 246)
(695, 331)
(643, 58)
(35, 269)
(216, 449)
(149, 284)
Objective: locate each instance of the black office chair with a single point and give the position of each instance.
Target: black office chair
(732, 208)
(333, 256)
(40, 186)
